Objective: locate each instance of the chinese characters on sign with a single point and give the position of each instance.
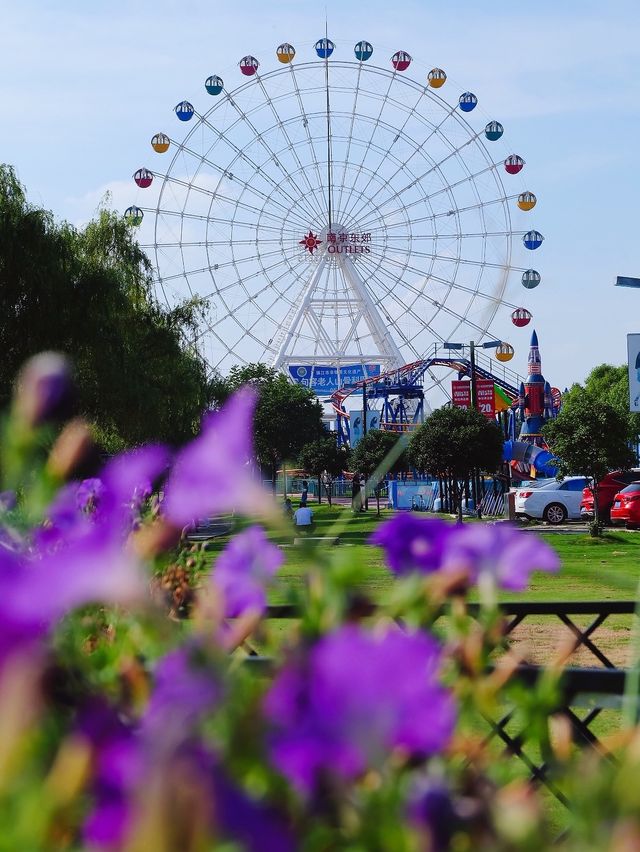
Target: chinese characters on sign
(485, 397)
(343, 243)
(325, 380)
(461, 394)
(339, 243)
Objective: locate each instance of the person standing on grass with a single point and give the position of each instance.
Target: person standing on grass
(305, 494)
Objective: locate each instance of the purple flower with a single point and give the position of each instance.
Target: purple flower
(8, 501)
(432, 809)
(88, 494)
(500, 551)
(213, 474)
(357, 696)
(93, 567)
(412, 543)
(128, 758)
(128, 480)
(185, 689)
(44, 389)
(243, 570)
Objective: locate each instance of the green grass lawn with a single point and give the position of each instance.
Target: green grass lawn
(600, 569)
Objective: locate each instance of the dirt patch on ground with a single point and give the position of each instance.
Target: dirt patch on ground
(541, 643)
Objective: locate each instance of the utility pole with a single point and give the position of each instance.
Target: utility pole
(472, 361)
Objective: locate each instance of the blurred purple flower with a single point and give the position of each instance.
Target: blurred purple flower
(126, 758)
(432, 809)
(357, 696)
(411, 543)
(88, 494)
(44, 389)
(498, 550)
(8, 501)
(128, 480)
(244, 569)
(502, 552)
(92, 567)
(213, 474)
(185, 689)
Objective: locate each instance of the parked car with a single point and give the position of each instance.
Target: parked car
(626, 506)
(608, 487)
(554, 502)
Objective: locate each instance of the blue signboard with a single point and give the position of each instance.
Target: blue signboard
(325, 380)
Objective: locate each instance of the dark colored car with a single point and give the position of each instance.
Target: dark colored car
(626, 506)
(608, 487)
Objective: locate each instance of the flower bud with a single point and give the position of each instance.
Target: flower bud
(73, 445)
(44, 389)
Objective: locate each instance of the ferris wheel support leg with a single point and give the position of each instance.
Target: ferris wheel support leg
(379, 332)
(303, 307)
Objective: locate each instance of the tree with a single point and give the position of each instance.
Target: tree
(378, 453)
(287, 417)
(453, 443)
(325, 460)
(589, 436)
(610, 384)
(88, 293)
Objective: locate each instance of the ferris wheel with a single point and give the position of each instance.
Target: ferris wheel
(334, 212)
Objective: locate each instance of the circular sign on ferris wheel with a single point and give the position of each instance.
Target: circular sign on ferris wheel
(330, 211)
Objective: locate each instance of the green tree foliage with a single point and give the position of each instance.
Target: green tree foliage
(589, 436)
(88, 293)
(610, 384)
(376, 454)
(288, 416)
(325, 460)
(453, 443)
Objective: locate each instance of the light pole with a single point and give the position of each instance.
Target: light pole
(488, 344)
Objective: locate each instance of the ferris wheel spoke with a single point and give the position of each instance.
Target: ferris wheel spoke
(182, 148)
(452, 285)
(291, 147)
(234, 202)
(305, 123)
(278, 186)
(435, 167)
(349, 138)
(271, 154)
(446, 189)
(459, 261)
(367, 147)
(399, 134)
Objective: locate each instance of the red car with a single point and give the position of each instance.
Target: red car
(608, 487)
(626, 506)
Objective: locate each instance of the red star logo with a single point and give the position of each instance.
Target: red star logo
(310, 242)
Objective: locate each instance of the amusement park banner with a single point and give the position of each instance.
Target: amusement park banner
(485, 399)
(461, 394)
(326, 380)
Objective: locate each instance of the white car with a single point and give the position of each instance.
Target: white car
(553, 501)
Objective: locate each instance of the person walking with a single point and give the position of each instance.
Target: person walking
(305, 494)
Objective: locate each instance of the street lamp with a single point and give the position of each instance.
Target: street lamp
(488, 344)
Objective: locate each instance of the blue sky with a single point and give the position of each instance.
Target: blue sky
(84, 85)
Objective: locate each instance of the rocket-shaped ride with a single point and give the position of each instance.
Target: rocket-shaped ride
(535, 403)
